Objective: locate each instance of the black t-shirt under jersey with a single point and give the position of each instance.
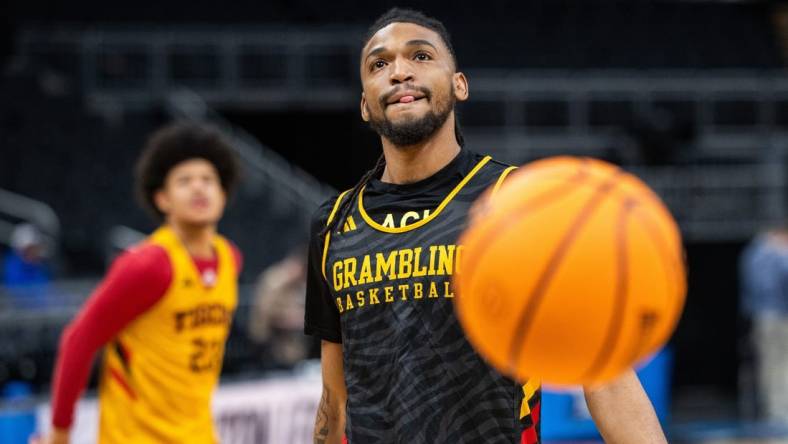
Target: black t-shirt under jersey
(383, 289)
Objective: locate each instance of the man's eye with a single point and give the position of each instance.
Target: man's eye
(378, 64)
(423, 56)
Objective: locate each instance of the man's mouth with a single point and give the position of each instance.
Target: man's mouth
(200, 202)
(405, 97)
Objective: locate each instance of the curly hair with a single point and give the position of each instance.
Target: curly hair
(175, 143)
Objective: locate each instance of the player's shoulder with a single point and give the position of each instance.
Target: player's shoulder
(493, 169)
(238, 255)
(321, 214)
(146, 259)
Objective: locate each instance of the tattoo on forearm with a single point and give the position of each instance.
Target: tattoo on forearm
(321, 423)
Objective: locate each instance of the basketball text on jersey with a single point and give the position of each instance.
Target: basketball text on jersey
(391, 284)
(202, 315)
(393, 266)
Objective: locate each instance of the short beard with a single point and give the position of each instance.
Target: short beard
(412, 131)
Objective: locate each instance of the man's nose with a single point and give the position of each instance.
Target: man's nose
(401, 71)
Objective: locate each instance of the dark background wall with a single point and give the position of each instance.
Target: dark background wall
(58, 151)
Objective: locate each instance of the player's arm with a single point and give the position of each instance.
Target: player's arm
(135, 282)
(623, 413)
(330, 421)
(321, 320)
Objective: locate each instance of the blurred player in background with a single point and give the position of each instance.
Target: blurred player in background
(276, 320)
(163, 311)
(396, 365)
(764, 293)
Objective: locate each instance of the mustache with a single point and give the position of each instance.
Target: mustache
(385, 97)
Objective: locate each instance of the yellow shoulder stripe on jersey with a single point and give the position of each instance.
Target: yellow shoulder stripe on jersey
(328, 235)
(502, 177)
(427, 219)
(529, 389)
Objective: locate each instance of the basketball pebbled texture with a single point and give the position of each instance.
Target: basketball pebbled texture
(572, 273)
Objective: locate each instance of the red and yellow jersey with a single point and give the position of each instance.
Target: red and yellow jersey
(160, 371)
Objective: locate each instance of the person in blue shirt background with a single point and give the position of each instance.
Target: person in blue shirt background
(764, 299)
(25, 269)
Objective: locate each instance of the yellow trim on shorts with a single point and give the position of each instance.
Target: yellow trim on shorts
(502, 177)
(427, 219)
(529, 389)
(328, 234)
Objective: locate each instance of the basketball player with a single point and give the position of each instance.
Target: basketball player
(163, 311)
(396, 365)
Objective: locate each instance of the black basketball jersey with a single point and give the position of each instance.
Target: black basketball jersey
(381, 285)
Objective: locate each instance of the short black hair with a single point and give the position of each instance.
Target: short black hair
(176, 143)
(404, 15)
(394, 15)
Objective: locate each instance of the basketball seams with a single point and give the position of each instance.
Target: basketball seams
(525, 318)
(616, 323)
(662, 244)
(675, 264)
(606, 190)
(668, 263)
(542, 199)
(656, 203)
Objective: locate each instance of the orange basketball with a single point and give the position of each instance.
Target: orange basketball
(571, 272)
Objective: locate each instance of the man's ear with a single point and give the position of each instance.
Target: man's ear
(161, 201)
(460, 86)
(364, 108)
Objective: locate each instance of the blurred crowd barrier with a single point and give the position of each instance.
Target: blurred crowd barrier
(278, 409)
(281, 408)
(32, 319)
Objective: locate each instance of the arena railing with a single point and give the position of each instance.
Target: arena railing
(295, 185)
(18, 208)
(717, 123)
